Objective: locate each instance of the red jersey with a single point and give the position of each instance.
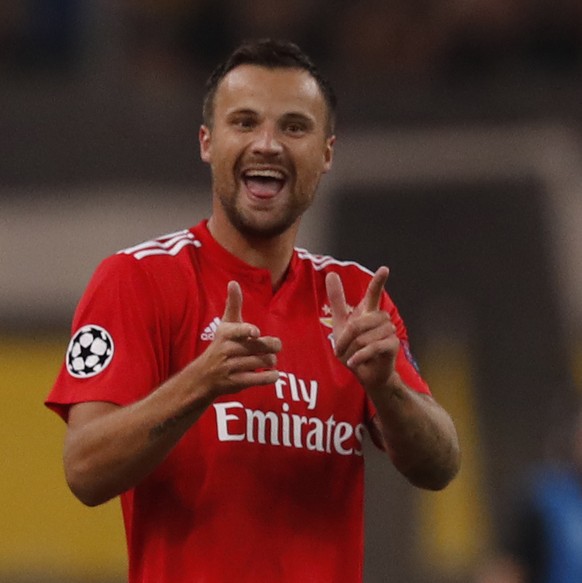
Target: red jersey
(268, 484)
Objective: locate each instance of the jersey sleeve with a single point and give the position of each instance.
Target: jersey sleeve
(116, 352)
(406, 365)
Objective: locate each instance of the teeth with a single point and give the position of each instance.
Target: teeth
(265, 174)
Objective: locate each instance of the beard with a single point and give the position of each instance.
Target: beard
(262, 224)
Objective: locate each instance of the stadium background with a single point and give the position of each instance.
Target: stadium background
(458, 165)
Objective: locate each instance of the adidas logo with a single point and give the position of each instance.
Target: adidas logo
(209, 331)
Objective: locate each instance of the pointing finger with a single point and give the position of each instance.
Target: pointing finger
(371, 301)
(233, 307)
(336, 296)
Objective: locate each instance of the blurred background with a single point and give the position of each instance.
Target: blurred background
(458, 164)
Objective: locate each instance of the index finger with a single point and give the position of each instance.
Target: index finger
(233, 307)
(371, 301)
(336, 297)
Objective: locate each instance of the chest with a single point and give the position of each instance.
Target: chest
(315, 411)
(313, 383)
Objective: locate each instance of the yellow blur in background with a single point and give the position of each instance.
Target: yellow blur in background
(45, 530)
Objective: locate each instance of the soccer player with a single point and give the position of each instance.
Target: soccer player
(220, 380)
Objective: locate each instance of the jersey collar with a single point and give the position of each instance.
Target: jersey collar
(231, 262)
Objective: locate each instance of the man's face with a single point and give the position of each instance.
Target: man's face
(267, 148)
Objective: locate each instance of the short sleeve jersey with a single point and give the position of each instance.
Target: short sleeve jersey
(268, 484)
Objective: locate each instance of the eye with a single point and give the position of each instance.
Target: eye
(296, 125)
(244, 123)
(295, 128)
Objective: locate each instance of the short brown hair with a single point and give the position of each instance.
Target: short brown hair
(273, 54)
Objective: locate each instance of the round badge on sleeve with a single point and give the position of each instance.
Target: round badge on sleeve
(90, 351)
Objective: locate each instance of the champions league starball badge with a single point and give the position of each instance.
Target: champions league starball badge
(89, 352)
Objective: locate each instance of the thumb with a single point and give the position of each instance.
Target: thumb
(233, 307)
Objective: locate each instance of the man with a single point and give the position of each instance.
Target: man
(219, 379)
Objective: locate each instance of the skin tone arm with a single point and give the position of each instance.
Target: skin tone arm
(109, 449)
(418, 433)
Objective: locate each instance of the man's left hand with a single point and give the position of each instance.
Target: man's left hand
(365, 339)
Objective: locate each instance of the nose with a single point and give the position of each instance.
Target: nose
(266, 141)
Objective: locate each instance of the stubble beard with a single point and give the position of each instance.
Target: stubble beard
(250, 224)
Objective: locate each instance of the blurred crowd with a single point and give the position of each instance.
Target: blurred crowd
(428, 40)
(391, 62)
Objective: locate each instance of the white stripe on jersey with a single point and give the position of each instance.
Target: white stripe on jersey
(322, 261)
(170, 244)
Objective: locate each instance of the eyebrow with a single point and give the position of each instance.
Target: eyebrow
(243, 111)
(296, 115)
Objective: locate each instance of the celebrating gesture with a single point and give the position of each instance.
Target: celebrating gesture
(365, 338)
(239, 357)
(236, 443)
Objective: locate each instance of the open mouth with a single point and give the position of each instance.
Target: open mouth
(264, 183)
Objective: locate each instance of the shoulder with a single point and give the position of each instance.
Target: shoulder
(151, 264)
(355, 279)
(354, 276)
(164, 246)
(161, 256)
(326, 263)
(157, 277)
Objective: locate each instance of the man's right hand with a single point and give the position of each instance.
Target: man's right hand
(238, 357)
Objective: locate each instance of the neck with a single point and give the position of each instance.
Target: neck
(273, 254)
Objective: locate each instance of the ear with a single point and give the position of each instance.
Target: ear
(328, 153)
(204, 138)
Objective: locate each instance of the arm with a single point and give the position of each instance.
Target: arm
(418, 433)
(109, 449)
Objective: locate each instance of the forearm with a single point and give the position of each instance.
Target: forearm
(419, 434)
(109, 449)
